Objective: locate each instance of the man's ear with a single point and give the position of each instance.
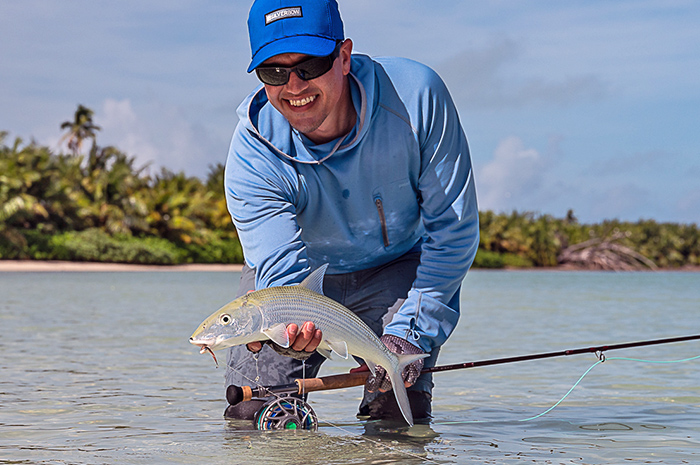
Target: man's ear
(345, 52)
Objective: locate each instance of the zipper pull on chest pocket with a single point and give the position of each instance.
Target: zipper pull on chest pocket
(382, 220)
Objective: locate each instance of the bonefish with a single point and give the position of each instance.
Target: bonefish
(265, 314)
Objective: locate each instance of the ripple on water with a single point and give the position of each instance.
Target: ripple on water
(112, 379)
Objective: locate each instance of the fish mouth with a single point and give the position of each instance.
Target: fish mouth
(205, 345)
(204, 348)
(210, 341)
(202, 339)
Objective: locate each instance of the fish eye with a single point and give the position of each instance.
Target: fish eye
(225, 319)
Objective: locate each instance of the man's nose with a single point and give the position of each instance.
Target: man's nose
(296, 83)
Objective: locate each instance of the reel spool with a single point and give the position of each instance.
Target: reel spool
(286, 412)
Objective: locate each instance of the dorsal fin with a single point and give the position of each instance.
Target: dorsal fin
(314, 281)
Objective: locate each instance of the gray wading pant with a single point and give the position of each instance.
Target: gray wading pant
(375, 295)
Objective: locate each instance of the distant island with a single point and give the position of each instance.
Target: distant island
(100, 207)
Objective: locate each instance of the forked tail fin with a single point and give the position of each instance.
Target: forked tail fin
(398, 385)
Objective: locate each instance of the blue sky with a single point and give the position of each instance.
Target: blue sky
(586, 105)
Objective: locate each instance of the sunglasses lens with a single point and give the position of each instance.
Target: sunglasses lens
(273, 76)
(309, 69)
(313, 68)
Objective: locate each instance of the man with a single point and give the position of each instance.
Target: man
(358, 163)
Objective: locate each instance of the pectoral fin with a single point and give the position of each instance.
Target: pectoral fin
(327, 348)
(278, 334)
(339, 347)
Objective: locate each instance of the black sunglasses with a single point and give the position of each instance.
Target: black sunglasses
(306, 70)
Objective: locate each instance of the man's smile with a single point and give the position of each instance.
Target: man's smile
(302, 102)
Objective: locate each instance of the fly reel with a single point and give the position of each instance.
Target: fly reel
(288, 413)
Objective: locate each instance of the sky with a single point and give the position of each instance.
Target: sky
(592, 105)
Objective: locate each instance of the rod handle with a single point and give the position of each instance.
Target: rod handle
(247, 393)
(237, 394)
(326, 383)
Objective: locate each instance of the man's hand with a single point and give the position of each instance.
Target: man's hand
(301, 342)
(380, 381)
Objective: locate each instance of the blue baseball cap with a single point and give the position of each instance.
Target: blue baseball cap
(311, 27)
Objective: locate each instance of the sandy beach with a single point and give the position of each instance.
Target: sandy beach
(62, 266)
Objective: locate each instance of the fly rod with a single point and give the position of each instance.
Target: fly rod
(238, 394)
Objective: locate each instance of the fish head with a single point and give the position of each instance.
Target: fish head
(236, 323)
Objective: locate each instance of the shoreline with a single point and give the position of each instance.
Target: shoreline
(19, 266)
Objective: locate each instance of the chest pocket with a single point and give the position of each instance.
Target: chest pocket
(397, 210)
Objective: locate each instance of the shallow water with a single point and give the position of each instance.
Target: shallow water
(96, 368)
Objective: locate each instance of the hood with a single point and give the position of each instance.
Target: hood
(265, 123)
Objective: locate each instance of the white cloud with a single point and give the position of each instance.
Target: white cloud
(514, 174)
(121, 128)
(159, 134)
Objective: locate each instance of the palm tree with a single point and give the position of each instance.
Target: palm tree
(111, 192)
(178, 205)
(79, 129)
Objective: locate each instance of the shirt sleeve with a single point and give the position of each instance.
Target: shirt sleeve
(262, 197)
(450, 215)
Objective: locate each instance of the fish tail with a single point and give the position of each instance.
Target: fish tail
(398, 385)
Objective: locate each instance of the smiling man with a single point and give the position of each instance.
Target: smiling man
(360, 163)
(320, 108)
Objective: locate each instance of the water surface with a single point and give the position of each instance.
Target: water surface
(96, 368)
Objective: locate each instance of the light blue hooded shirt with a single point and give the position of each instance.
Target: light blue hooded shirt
(401, 180)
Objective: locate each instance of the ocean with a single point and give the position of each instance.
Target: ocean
(96, 368)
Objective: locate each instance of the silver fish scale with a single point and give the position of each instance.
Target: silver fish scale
(299, 305)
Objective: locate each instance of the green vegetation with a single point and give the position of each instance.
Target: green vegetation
(101, 207)
(525, 239)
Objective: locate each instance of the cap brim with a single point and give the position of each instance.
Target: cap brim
(307, 45)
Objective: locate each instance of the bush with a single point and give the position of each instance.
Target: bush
(494, 260)
(219, 250)
(96, 245)
(516, 261)
(487, 259)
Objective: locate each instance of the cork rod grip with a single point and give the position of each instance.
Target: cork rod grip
(247, 393)
(332, 382)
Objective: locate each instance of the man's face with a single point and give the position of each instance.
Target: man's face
(317, 108)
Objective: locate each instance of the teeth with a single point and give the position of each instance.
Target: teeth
(302, 102)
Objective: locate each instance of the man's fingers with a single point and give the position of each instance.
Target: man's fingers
(311, 346)
(292, 330)
(379, 381)
(305, 338)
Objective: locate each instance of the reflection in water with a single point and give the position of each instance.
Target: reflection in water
(333, 445)
(379, 441)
